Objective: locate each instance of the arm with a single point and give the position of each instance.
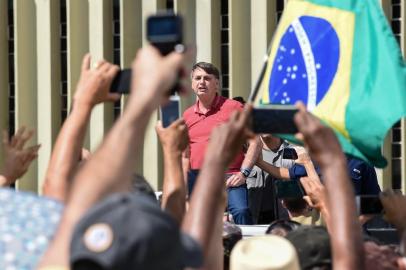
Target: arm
(105, 173)
(206, 205)
(253, 152)
(174, 140)
(277, 172)
(90, 91)
(17, 159)
(345, 231)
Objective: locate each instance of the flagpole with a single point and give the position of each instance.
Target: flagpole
(254, 92)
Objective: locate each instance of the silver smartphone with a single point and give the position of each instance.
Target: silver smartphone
(170, 112)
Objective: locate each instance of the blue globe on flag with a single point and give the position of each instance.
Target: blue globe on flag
(305, 63)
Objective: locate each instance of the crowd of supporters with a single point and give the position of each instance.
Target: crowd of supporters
(96, 212)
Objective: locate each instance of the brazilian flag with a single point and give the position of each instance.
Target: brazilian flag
(341, 59)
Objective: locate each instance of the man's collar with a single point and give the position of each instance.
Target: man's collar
(214, 105)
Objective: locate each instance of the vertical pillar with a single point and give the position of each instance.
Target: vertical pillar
(152, 154)
(208, 31)
(101, 47)
(187, 9)
(48, 81)
(3, 72)
(263, 24)
(77, 20)
(403, 121)
(131, 41)
(240, 48)
(25, 68)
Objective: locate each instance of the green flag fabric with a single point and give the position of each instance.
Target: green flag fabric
(341, 59)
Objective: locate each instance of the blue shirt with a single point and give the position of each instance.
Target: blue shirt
(362, 174)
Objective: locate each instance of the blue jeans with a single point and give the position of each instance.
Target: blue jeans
(237, 200)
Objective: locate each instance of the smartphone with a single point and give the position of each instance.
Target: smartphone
(165, 31)
(289, 153)
(170, 112)
(369, 204)
(271, 119)
(289, 189)
(122, 82)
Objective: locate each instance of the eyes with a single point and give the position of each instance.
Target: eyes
(206, 78)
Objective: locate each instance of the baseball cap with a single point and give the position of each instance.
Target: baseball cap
(268, 252)
(312, 244)
(130, 231)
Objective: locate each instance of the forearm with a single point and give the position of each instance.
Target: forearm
(345, 230)
(66, 153)
(105, 172)
(174, 190)
(254, 148)
(277, 172)
(204, 208)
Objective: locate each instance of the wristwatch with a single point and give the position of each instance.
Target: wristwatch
(245, 171)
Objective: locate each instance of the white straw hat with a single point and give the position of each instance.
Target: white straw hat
(267, 252)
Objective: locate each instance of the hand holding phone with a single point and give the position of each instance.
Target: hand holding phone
(165, 32)
(290, 153)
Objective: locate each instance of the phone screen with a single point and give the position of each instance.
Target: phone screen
(289, 153)
(369, 204)
(122, 81)
(170, 112)
(274, 119)
(289, 189)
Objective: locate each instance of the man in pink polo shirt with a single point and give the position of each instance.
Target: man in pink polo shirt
(209, 111)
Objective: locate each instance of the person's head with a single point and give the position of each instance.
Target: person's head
(282, 227)
(264, 253)
(130, 231)
(205, 79)
(141, 185)
(231, 235)
(271, 141)
(312, 244)
(295, 205)
(239, 99)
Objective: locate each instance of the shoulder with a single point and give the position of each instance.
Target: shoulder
(232, 104)
(188, 112)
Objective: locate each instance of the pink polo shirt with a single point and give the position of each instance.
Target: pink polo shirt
(200, 126)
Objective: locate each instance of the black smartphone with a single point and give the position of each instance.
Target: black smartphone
(165, 32)
(289, 189)
(272, 119)
(369, 204)
(170, 112)
(122, 82)
(289, 153)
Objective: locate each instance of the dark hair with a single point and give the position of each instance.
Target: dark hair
(295, 204)
(283, 225)
(239, 99)
(208, 67)
(141, 185)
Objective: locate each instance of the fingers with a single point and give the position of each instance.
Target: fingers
(86, 62)
(5, 138)
(23, 139)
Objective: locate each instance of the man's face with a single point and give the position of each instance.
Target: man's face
(204, 84)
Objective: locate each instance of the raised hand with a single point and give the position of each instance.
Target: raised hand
(227, 139)
(394, 205)
(175, 137)
(17, 158)
(94, 84)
